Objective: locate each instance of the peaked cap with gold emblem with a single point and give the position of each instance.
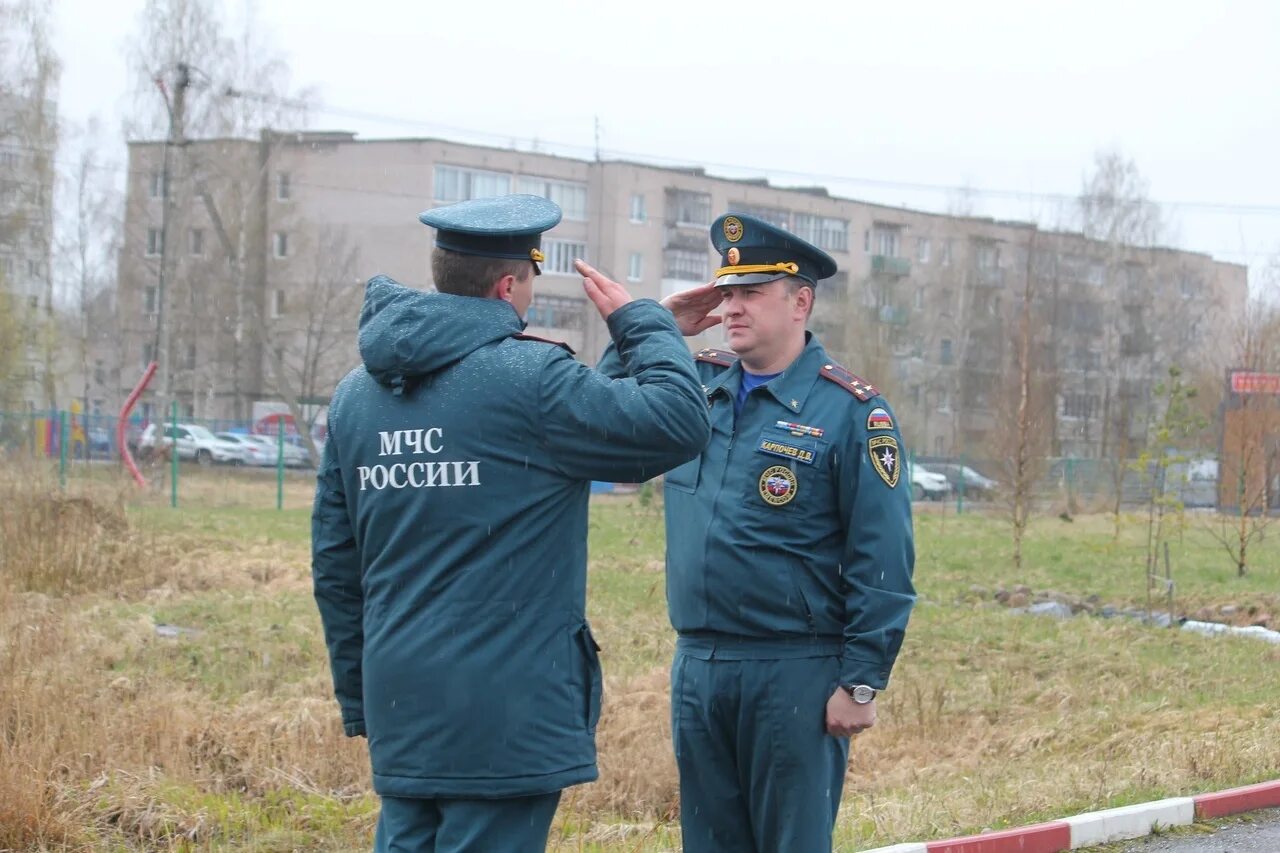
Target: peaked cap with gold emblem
(508, 226)
(754, 252)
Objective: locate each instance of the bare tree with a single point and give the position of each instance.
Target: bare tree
(86, 250)
(1250, 464)
(1115, 211)
(1024, 403)
(29, 75)
(315, 339)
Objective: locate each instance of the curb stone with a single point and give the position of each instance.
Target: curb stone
(1100, 827)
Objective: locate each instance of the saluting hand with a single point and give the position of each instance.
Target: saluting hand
(846, 718)
(692, 309)
(607, 295)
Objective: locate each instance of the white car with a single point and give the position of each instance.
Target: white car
(294, 456)
(928, 484)
(251, 452)
(191, 441)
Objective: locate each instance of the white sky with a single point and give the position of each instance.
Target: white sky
(998, 95)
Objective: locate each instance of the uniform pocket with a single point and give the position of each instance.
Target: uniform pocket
(592, 677)
(684, 478)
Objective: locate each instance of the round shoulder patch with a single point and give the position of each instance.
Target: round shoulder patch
(778, 485)
(732, 229)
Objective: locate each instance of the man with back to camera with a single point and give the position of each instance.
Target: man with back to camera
(789, 556)
(450, 525)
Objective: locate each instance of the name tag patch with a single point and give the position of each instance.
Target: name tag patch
(787, 450)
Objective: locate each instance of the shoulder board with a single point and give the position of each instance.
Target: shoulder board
(862, 390)
(523, 337)
(720, 357)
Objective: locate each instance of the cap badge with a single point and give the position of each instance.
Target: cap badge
(734, 256)
(732, 229)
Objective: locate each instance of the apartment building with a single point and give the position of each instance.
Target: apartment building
(271, 241)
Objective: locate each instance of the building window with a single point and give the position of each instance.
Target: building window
(148, 354)
(277, 303)
(635, 268)
(33, 268)
(866, 240)
(33, 302)
(157, 186)
(944, 400)
(149, 299)
(455, 184)
(823, 231)
(922, 250)
(944, 352)
(99, 373)
(1079, 405)
(196, 238)
(685, 265)
(155, 242)
(282, 244)
(191, 356)
(919, 298)
(988, 256)
(570, 195)
(638, 212)
(6, 264)
(688, 208)
(945, 260)
(560, 255)
(284, 186)
(886, 240)
(557, 312)
(773, 215)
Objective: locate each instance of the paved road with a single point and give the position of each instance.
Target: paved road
(1258, 832)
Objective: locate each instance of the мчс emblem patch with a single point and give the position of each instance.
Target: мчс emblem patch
(884, 453)
(778, 485)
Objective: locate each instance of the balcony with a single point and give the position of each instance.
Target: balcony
(888, 265)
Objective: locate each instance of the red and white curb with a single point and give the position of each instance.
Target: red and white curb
(1101, 827)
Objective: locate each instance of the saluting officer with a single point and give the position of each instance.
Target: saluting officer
(450, 526)
(789, 556)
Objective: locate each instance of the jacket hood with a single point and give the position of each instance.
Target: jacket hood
(406, 334)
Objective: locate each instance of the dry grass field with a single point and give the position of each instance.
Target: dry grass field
(163, 681)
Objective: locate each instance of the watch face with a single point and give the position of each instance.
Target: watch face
(862, 694)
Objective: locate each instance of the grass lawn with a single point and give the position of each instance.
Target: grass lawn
(226, 737)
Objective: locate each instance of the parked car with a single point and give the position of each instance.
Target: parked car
(976, 485)
(928, 484)
(190, 441)
(251, 452)
(294, 456)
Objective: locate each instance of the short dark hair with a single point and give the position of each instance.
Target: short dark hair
(472, 275)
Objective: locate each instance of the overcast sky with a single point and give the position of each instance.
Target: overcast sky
(890, 102)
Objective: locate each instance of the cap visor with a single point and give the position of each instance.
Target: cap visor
(750, 278)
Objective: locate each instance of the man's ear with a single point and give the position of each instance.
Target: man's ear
(804, 299)
(503, 287)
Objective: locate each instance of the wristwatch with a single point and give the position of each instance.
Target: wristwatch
(860, 693)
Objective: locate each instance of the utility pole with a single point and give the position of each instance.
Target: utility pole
(177, 115)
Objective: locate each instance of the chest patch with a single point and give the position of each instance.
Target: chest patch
(797, 450)
(778, 485)
(884, 453)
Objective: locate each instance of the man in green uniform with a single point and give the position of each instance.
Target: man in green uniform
(449, 533)
(789, 557)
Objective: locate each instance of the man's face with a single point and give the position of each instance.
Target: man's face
(759, 318)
